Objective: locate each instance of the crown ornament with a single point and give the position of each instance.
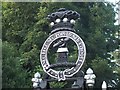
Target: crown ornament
(63, 18)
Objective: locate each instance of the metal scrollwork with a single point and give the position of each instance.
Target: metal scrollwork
(62, 32)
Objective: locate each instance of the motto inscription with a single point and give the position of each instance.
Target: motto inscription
(62, 75)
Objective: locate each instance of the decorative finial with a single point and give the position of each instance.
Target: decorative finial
(104, 85)
(89, 71)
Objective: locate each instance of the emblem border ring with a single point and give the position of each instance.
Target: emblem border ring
(80, 60)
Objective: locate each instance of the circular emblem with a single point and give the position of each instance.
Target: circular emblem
(62, 75)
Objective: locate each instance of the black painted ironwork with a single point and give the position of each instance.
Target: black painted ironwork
(61, 14)
(62, 22)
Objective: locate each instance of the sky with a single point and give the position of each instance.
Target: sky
(112, 0)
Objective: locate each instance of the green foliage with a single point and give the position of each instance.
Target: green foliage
(13, 76)
(57, 84)
(0, 63)
(118, 77)
(102, 70)
(25, 29)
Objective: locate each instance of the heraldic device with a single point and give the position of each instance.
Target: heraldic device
(62, 23)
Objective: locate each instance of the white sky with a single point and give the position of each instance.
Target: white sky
(112, 0)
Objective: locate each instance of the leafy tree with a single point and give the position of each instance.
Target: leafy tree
(102, 70)
(25, 27)
(13, 76)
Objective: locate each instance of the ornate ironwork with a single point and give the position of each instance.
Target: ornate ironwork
(62, 22)
(63, 18)
(63, 13)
